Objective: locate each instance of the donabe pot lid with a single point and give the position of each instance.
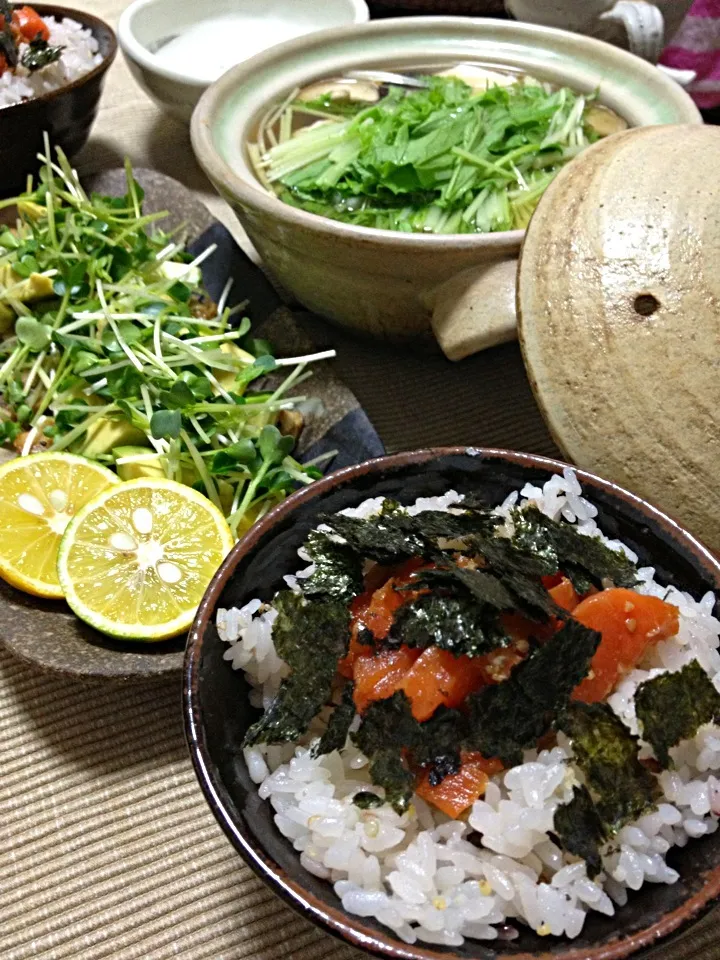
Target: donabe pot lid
(618, 299)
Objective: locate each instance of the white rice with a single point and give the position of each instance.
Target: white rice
(79, 57)
(418, 874)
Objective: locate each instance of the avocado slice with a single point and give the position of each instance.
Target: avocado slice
(106, 434)
(7, 318)
(151, 468)
(33, 288)
(226, 378)
(145, 469)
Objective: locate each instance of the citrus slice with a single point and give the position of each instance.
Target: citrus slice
(39, 495)
(135, 561)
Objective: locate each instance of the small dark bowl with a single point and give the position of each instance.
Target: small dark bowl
(66, 114)
(217, 711)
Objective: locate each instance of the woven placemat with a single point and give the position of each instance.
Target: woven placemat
(107, 848)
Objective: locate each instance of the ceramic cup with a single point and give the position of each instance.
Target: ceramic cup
(402, 286)
(643, 28)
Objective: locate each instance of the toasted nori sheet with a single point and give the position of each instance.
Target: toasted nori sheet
(311, 637)
(607, 753)
(579, 829)
(673, 706)
(508, 717)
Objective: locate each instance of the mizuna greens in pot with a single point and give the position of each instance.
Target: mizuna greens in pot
(448, 158)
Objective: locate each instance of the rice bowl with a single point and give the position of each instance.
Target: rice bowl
(416, 872)
(79, 56)
(219, 715)
(65, 110)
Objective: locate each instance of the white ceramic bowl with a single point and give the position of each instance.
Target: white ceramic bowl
(246, 28)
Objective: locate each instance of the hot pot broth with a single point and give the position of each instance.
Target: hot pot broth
(471, 151)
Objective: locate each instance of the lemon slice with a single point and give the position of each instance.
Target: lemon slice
(135, 561)
(39, 495)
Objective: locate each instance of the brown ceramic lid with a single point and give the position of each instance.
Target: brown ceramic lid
(619, 313)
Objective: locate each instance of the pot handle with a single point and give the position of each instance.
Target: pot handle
(644, 25)
(475, 309)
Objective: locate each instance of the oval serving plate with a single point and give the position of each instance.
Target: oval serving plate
(45, 632)
(218, 712)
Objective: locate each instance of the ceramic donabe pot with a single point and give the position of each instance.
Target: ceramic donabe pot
(392, 285)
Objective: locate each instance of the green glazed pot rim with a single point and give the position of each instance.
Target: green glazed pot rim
(229, 107)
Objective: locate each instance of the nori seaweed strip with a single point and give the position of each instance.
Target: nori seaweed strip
(520, 574)
(311, 637)
(394, 535)
(437, 524)
(390, 737)
(500, 585)
(443, 766)
(508, 717)
(377, 538)
(458, 624)
(579, 829)
(607, 753)
(481, 586)
(338, 727)
(338, 570)
(586, 560)
(388, 727)
(437, 746)
(673, 706)
(40, 54)
(387, 770)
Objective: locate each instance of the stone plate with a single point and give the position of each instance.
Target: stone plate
(45, 632)
(619, 313)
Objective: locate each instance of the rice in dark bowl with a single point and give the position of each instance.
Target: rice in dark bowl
(432, 878)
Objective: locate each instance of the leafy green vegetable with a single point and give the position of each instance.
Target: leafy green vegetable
(579, 829)
(33, 334)
(166, 424)
(311, 638)
(40, 54)
(607, 753)
(338, 570)
(338, 726)
(121, 337)
(444, 159)
(586, 560)
(337, 105)
(508, 717)
(459, 624)
(673, 706)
